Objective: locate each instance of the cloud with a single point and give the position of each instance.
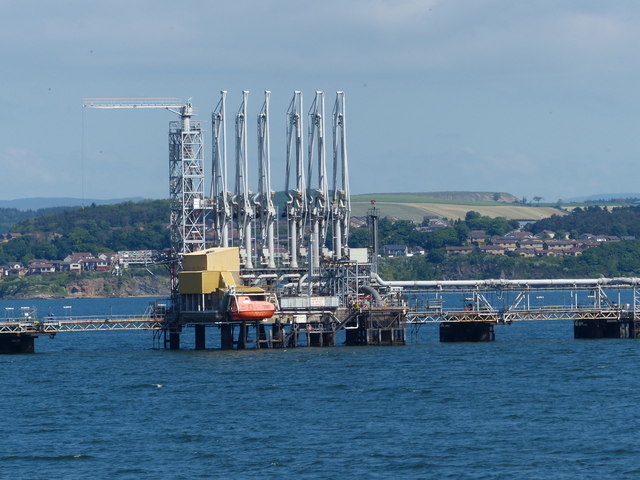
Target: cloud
(391, 13)
(588, 32)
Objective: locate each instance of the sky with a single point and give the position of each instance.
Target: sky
(530, 98)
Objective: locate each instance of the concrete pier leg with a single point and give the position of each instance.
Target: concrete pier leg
(598, 328)
(314, 339)
(174, 340)
(277, 336)
(356, 336)
(261, 334)
(200, 333)
(293, 338)
(242, 336)
(329, 339)
(16, 343)
(226, 337)
(634, 328)
(466, 332)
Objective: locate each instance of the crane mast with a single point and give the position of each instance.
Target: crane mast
(242, 198)
(186, 172)
(265, 209)
(219, 190)
(317, 194)
(297, 202)
(341, 208)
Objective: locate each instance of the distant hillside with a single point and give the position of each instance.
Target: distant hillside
(10, 216)
(430, 197)
(453, 205)
(124, 226)
(606, 197)
(37, 203)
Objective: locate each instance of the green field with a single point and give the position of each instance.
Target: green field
(414, 206)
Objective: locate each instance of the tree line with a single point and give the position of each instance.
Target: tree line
(105, 228)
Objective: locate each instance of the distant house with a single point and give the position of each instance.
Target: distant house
(478, 237)
(70, 266)
(5, 237)
(357, 222)
(394, 250)
(508, 244)
(560, 245)
(531, 244)
(459, 250)
(38, 267)
(492, 249)
(599, 238)
(93, 264)
(528, 252)
(78, 256)
(518, 235)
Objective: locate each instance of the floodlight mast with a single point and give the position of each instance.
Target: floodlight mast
(296, 207)
(318, 194)
(186, 172)
(266, 211)
(341, 208)
(219, 190)
(242, 198)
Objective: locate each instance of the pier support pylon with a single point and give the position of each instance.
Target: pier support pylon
(174, 340)
(467, 332)
(200, 333)
(17, 343)
(600, 328)
(226, 336)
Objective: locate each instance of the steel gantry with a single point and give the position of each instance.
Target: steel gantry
(519, 300)
(242, 218)
(242, 197)
(265, 209)
(221, 203)
(296, 207)
(318, 193)
(341, 197)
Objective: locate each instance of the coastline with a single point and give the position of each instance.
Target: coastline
(130, 285)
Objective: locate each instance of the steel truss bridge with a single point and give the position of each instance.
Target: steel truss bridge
(506, 301)
(52, 326)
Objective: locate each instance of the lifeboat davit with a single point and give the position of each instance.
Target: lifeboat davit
(244, 308)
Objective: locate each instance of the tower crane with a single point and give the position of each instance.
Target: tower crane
(186, 172)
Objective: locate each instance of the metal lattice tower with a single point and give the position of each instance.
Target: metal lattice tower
(186, 173)
(186, 184)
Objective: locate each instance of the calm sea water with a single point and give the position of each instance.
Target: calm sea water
(534, 404)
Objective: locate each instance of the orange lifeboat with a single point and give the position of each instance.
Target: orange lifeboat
(244, 308)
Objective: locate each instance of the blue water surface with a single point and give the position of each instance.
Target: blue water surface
(534, 404)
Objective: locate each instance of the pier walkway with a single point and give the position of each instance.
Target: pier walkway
(52, 326)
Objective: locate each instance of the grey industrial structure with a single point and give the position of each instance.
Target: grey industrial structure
(320, 286)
